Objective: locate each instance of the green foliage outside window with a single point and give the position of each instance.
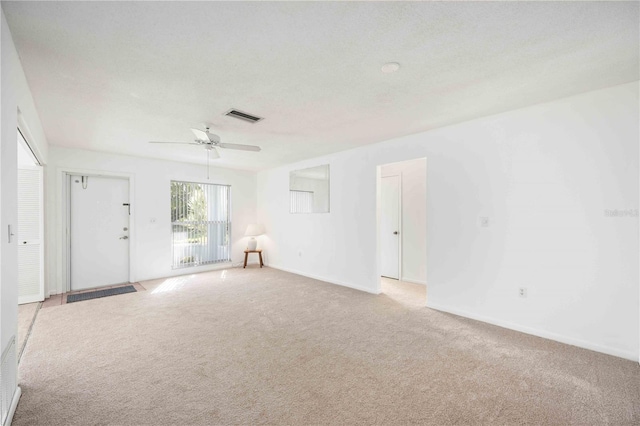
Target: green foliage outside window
(189, 205)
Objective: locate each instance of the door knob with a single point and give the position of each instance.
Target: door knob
(124, 238)
(395, 232)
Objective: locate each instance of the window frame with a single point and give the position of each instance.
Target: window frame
(207, 223)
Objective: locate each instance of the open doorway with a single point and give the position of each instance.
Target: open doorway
(402, 231)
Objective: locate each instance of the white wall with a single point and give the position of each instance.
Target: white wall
(319, 188)
(151, 242)
(15, 96)
(545, 176)
(413, 182)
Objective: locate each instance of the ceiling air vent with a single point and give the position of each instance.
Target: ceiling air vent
(243, 116)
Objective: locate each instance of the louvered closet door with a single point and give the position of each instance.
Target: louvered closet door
(30, 243)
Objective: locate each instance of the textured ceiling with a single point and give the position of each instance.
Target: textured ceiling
(111, 76)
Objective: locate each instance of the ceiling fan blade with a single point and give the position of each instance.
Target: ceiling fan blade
(239, 146)
(179, 143)
(200, 135)
(213, 153)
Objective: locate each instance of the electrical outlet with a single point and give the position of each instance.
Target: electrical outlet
(522, 292)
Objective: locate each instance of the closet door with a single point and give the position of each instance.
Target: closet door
(30, 235)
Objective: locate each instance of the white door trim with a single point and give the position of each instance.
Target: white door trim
(399, 176)
(400, 228)
(28, 138)
(378, 269)
(63, 281)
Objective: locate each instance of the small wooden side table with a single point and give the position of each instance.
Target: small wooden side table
(246, 255)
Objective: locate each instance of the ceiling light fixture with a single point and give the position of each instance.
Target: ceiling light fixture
(390, 67)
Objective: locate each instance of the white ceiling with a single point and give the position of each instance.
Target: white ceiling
(110, 76)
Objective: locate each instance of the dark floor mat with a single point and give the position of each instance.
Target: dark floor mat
(100, 293)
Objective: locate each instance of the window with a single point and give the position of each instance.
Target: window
(200, 223)
(301, 201)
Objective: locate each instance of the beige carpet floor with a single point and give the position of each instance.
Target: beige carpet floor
(261, 346)
(413, 296)
(26, 314)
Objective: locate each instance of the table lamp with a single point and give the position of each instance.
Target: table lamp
(253, 230)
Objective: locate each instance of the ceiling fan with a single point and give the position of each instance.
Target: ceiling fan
(210, 142)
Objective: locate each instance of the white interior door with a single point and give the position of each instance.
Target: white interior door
(99, 227)
(30, 232)
(390, 226)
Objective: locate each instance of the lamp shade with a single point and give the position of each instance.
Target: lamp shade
(254, 230)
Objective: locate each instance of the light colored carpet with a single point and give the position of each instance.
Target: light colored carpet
(413, 296)
(264, 346)
(26, 314)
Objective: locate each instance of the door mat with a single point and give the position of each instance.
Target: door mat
(100, 293)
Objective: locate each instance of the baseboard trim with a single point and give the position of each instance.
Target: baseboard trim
(536, 332)
(409, 280)
(14, 405)
(319, 278)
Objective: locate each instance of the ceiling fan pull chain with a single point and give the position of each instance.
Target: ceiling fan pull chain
(208, 164)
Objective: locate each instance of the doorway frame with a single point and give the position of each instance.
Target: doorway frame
(24, 139)
(378, 268)
(400, 224)
(63, 229)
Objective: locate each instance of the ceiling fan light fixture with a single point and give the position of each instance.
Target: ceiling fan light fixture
(210, 142)
(213, 152)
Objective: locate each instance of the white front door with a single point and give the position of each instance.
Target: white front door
(99, 226)
(30, 231)
(390, 226)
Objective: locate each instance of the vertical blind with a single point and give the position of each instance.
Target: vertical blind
(301, 201)
(201, 223)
